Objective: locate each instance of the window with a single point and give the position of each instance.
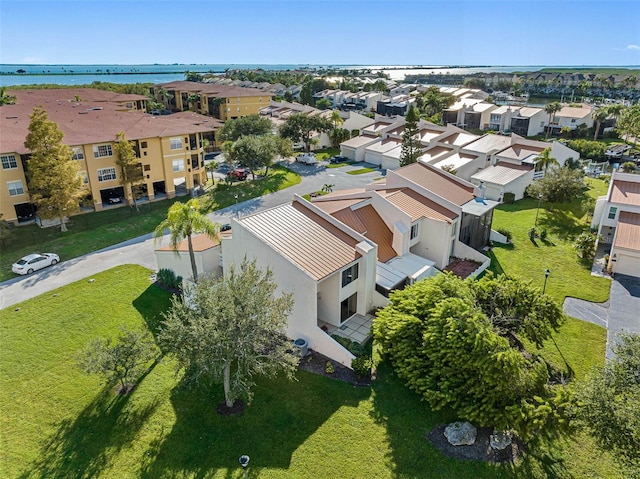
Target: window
(84, 176)
(612, 212)
(101, 151)
(414, 231)
(147, 167)
(15, 188)
(106, 174)
(9, 162)
(238, 108)
(176, 143)
(143, 144)
(78, 153)
(178, 165)
(349, 275)
(129, 105)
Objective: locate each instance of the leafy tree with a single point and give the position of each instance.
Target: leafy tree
(588, 149)
(192, 100)
(338, 135)
(545, 160)
(323, 104)
(5, 230)
(121, 361)
(298, 127)
(336, 119)
(256, 125)
(411, 148)
(130, 170)
(609, 403)
(628, 167)
(451, 341)
(6, 99)
(600, 115)
(573, 164)
(432, 101)
(552, 108)
(585, 245)
(53, 179)
(628, 123)
(231, 330)
(310, 88)
(184, 220)
(256, 151)
(193, 76)
(560, 185)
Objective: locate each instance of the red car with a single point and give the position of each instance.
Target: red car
(239, 174)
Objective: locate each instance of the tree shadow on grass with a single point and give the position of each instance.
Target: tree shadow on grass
(408, 421)
(150, 304)
(84, 446)
(282, 416)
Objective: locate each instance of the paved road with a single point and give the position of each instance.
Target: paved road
(620, 314)
(140, 250)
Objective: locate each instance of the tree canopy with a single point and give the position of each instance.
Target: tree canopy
(560, 185)
(257, 151)
(432, 101)
(457, 343)
(299, 127)
(230, 330)
(131, 173)
(609, 403)
(411, 148)
(53, 179)
(234, 129)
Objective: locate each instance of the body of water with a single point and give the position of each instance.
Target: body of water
(14, 74)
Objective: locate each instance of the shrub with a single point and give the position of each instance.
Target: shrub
(361, 365)
(628, 167)
(509, 198)
(329, 368)
(169, 279)
(505, 232)
(354, 348)
(585, 245)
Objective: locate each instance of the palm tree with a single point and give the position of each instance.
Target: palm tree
(545, 160)
(599, 116)
(336, 119)
(193, 100)
(551, 108)
(184, 220)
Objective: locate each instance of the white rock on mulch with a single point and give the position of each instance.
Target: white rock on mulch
(499, 440)
(460, 433)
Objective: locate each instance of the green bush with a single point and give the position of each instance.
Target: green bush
(354, 348)
(329, 368)
(361, 365)
(585, 245)
(505, 232)
(509, 198)
(168, 278)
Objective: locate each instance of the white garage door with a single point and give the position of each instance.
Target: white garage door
(627, 264)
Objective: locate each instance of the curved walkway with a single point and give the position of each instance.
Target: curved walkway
(621, 314)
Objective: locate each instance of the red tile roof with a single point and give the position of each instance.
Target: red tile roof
(625, 192)
(213, 89)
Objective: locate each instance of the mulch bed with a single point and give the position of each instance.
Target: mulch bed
(316, 363)
(237, 408)
(478, 451)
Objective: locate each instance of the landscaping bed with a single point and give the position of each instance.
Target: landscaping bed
(316, 363)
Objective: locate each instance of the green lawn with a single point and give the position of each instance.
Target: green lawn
(58, 423)
(361, 171)
(93, 231)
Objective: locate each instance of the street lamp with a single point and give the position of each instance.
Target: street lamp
(244, 462)
(546, 276)
(538, 210)
(235, 195)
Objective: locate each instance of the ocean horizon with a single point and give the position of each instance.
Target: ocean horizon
(75, 74)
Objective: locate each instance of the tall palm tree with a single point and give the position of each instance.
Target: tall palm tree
(184, 220)
(193, 100)
(545, 160)
(551, 108)
(599, 116)
(336, 119)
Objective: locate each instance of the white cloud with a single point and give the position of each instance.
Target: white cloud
(633, 47)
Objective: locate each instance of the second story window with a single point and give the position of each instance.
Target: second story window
(176, 143)
(15, 188)
(9, 162)
(178, 165)
(106, 174)
(612, 213)
(78, 153)
(349, 275)
(102, 151)
(414, 231)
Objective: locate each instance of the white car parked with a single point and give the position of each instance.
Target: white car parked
(33, 262)
(307, 158)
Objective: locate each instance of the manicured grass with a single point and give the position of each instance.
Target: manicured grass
(326, 153)
(361, 171)
(93, 231)
(58, 423)
(338, 165)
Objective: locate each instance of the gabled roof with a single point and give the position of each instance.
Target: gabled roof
(366, 221)
(304, 238)
(213, 89)
(488, 143)
(520, 152)
(573, 112)
(625, 192)
(418, 206)
(450, 188)
(458, 139)
(501, 173)
(358, 141)
(628, 231)
(457, 160)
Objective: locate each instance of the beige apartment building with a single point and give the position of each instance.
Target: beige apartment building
(170, 148)
(225, 102)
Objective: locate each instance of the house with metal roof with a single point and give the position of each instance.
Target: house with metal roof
(617, 218)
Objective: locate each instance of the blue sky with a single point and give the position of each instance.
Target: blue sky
(419, 32)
